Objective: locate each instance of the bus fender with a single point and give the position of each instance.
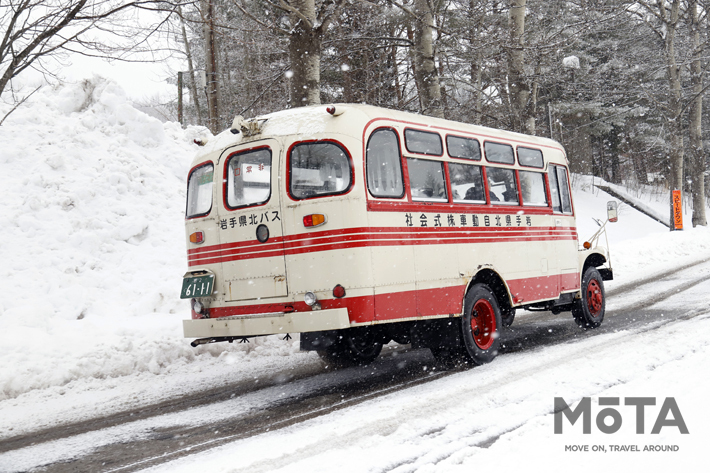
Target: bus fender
(496, 283)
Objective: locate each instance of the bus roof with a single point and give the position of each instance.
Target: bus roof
(352, 119)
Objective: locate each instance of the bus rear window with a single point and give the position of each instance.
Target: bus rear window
(318, 169)
(249, 178)
(199, 191)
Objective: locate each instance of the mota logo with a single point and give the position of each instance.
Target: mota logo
(668, 416)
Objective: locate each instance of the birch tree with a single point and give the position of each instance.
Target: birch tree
(697, 155)
(425, 72)
(523, 119)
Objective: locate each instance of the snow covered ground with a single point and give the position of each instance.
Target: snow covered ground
(93, 254)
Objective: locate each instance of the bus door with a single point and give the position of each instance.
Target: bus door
(563, 216)
(251, 230)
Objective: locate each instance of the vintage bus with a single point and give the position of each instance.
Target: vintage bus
(355, 225)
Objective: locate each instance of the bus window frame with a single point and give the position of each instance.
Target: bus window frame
(316, 141)
(517, 156)
(401, 164)
(499, 203)
(498, 143)
(569, 189)
(225, 176)
(406, 204)
(447, 184)
(468, 162)
(548, 204)
(448, 153)
(189, 175)
(404, 137)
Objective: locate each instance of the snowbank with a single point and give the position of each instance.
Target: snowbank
(93, 246)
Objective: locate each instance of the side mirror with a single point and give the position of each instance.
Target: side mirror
(611, 211)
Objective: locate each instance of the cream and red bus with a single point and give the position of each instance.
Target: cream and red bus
(355, 225)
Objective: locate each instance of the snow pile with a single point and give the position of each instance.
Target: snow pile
(93, 245)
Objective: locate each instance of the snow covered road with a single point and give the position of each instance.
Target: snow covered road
(394, 398)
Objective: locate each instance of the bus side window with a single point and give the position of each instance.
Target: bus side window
(464, 148)
(423, 142)
(564, 189)
(559, 189)
(530, 157)
(384, 166)
(426, 180)
(502, 186)
(314, 169)
(499, 153)
(554, 189)
(467, 183)
(532, 186)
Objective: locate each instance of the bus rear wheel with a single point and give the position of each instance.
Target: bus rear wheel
(588, 311)
(355, 347)
(480, 325)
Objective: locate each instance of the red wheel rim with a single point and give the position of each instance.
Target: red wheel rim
(483, 324)
(595, 300)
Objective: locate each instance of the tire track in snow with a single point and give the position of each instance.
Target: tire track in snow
(542, 331)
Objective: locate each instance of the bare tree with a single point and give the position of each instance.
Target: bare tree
(34, 30)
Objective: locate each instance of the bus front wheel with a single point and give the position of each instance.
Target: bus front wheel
(354, 347)
(588, 311)
(481, 324)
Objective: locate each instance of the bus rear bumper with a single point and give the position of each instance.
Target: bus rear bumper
(267, 324)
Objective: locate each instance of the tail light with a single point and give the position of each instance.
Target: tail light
(314, 220)
(197, 237)
(338, 291)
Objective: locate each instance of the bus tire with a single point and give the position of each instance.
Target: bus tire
(507, 317)
(588, 311)
(480, 325)
(355, 347)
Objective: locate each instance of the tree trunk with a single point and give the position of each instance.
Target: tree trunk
(697, 159)
(675, 106)
(427, 78)
(211, 68)
(519, 88)
(304, 51)
(191, 70)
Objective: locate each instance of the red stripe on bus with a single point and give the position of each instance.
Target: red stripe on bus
(373, 233)
(441, 301)
(407, 238)
(310, 247)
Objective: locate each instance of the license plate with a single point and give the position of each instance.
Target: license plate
(197, 286)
